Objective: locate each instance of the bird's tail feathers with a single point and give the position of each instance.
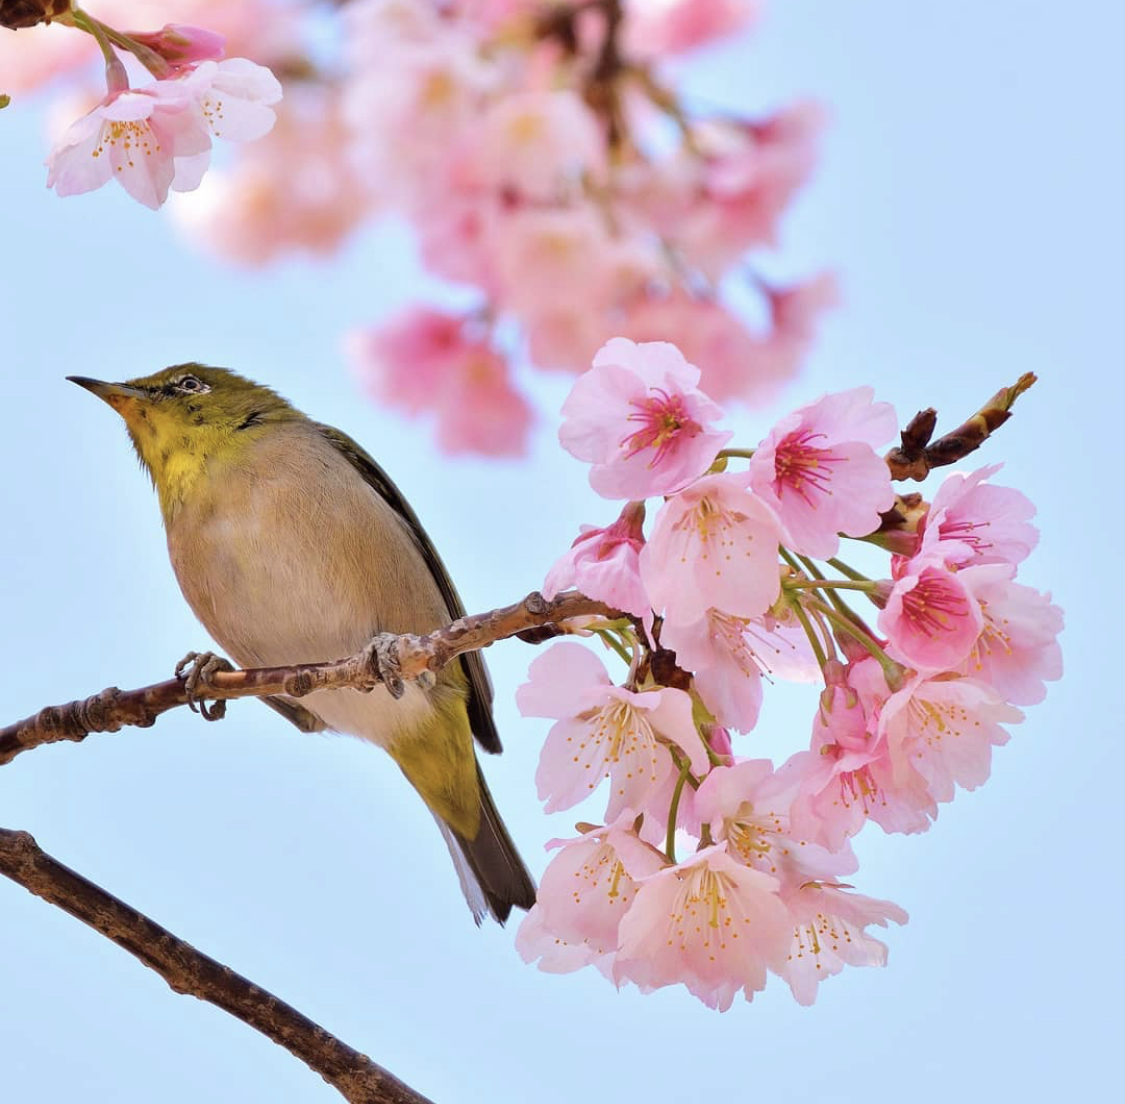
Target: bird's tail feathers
(492, 874)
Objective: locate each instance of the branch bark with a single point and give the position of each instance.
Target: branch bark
(915, 457)
(355, 1076)
(410, 656)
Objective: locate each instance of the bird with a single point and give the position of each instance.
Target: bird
(292, 545)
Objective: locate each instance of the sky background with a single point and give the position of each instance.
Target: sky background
(969, 200)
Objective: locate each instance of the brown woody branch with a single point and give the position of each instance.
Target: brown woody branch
(186, 970)
(916, 456)
(410, 656)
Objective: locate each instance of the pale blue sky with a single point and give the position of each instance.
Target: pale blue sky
(969, 199)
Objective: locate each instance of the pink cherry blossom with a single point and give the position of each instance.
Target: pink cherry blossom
(234, 97)
(135, 137)
(537, 943)
(405, 361)
(159, 137)
(540, 143)
(712, 545)
(944, 730)
(591, 882)
(659, 27)
(750, 173)
(479, 409)
(990, 522)
(424, 360)
(710, 923)
(848, 777)
(292, 190)
(640, 419)
(546, 256)
(931, 620)
(734, 362)
(604, 731)
(747, 804)
(605, 563)
(819, 470)
(830, 934)
(720, 651)
(1018, 647)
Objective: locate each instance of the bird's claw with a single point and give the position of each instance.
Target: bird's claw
(382, 657)
(196, 669)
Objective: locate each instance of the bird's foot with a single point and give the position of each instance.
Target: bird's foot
(196, 669)
(382, 657)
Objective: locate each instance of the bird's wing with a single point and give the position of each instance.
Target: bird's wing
(480, 692)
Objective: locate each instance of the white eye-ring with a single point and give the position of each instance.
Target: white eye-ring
(192, 385)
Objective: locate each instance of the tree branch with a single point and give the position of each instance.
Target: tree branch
(409, 656)
(188, 971)
(915, 457)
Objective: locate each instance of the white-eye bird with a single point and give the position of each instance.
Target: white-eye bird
(292, 545)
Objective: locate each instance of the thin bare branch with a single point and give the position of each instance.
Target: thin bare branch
(409, 656)
(188, 971)
(916, 456)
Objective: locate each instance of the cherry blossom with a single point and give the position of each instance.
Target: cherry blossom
(604, 731)
(747, 804)
(710, 924)
(1018, 647)
(819, 470)
(830, 934)
(721, 649)
(638, 417)
(931, 620)
(944, 731)
(159, 137)
(605, 563)
(136, 137)
(588, 887)
(712, 545)
(990, 522)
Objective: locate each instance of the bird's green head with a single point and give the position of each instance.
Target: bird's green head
(188, 418)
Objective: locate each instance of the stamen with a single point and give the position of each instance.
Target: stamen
(802, 468)
(663, 419)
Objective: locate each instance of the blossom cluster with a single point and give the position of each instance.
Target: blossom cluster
(551, 171)
(542, 161)
(158, 136)
(711, 869)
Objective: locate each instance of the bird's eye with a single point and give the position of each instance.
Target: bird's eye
(191, 385)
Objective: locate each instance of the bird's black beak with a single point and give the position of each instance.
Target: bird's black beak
(116, 394)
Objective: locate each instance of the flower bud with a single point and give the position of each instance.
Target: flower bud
(26, 13)
(182, 45)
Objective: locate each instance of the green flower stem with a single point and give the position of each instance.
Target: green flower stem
(810, 632)
(892, 671)
(609, 637)
(828, 584)
(105, 35)
(670, 841)
(850, 572)
(743, 454)
(93, 27)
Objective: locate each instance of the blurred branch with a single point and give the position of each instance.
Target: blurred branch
(388, 659)
(916, 456)
(188, 971)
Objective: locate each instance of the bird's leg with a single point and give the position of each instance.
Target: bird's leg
(196, 668)
(381, 655)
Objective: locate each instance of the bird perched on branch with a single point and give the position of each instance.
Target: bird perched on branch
(293, 546)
